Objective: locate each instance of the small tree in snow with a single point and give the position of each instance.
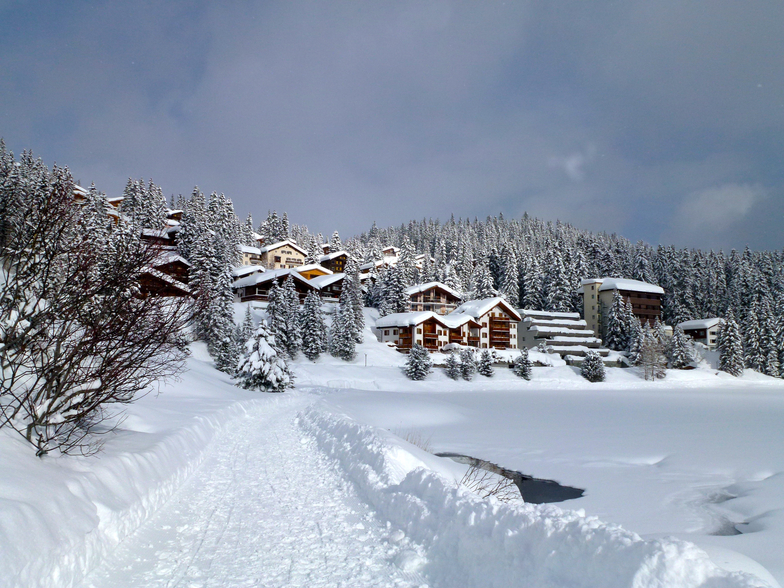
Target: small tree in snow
(467, 363)
(652, 357)
(452, 367)
(522, 365)
(593, 367)
(342, 343)
(485, 366)
(263, 366)
(418, 364)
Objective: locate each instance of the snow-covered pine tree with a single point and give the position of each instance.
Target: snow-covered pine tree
(335, 244)
(467, 363)
(418, 363)
(342, 343)
(482, 281)
(617, 336)
(485, 365)
(247, 328)
(730, 346)
(313, 328)
(522, 365)
(293, 339)
(681, 350)
(393, 292)
(354, 298)
(263, 366)
(592, 368)
(452, 368)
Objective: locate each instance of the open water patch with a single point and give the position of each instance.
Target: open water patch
(533, 490)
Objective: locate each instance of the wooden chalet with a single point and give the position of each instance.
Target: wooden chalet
(434, 296)
(497, 320)
(404, 329)
(283, 255)
(335, 262)
(257, 286)
(312, 270)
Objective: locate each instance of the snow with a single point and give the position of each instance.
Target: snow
(286, 243)
(206, 484)
(548, 315)
(700, 323)
(249, 249)
(407, 319)
(478, 308)
(623, 284)
(320, 282)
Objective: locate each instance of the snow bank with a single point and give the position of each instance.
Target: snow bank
(475, 542)
(60, 516)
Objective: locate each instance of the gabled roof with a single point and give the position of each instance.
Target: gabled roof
(166, 257)
(173, 282)
(245, 270)
(408, 319)
(700, 323)
(330, 256)
(286, 243)
(546, 314)
(324, 281)
(479, 308)
(456, 321)
(424, 287)
(251, 250)
(269, 276)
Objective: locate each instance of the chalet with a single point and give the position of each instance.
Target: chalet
(243, 271)
(495, 317)
(257, 286)
(404, 329)
(163, 237)
(703, 331)
(334, 261)
(312, 270)
(250, 255)
(565, 333)
(167, 275)
(283, 255)
(434, 296)
(331, 286)
(173, 264)
(598, 296)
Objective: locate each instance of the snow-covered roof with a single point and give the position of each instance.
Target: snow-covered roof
(554, 322)
(324, 281)
(334, 255)
(547, 329)
(268, 276)
(424, 287)
(174, 282)
(161, 234)
(621, 284)
(311, 267)
(456, 321)
(479, 308)
(165, 257)
(245, 270)
(700, 323)
(408, 319)
(546, 314)
(251, 250)
(286, 243)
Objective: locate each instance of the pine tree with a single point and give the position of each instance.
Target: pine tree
(522, 365)
(592, 368)
(617, 336)
(335, 244)
(247, 329)
(314, 331)
(485, 366)
(467, 363)
(342, 343)
(452, 367)
(681, 350)
(635, 341)
(263, 366)
(354, 298)
(394, 298)
(730, 346)
(418, 363)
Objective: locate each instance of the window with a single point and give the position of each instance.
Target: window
(277, 258)
(386, 332)
(484, 335)
(419, 331)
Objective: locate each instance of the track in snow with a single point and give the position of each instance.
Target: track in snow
(264, 509)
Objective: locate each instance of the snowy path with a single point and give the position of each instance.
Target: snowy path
(264, 509)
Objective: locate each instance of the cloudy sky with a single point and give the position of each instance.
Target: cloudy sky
(661, 121)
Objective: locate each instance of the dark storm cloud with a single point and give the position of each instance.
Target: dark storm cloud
(660, 121)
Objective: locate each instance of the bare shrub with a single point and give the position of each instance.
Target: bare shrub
(486, 483)
(416, 437)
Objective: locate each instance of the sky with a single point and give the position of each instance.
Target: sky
(659, 121)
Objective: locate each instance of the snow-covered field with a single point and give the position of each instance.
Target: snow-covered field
(209, 485)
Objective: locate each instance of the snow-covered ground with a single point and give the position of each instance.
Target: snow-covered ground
(209, 485)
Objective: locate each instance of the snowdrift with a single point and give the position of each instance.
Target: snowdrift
(484, 543)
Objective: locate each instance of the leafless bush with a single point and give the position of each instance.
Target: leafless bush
(415, 437)
(77, 332)
(486, 483)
